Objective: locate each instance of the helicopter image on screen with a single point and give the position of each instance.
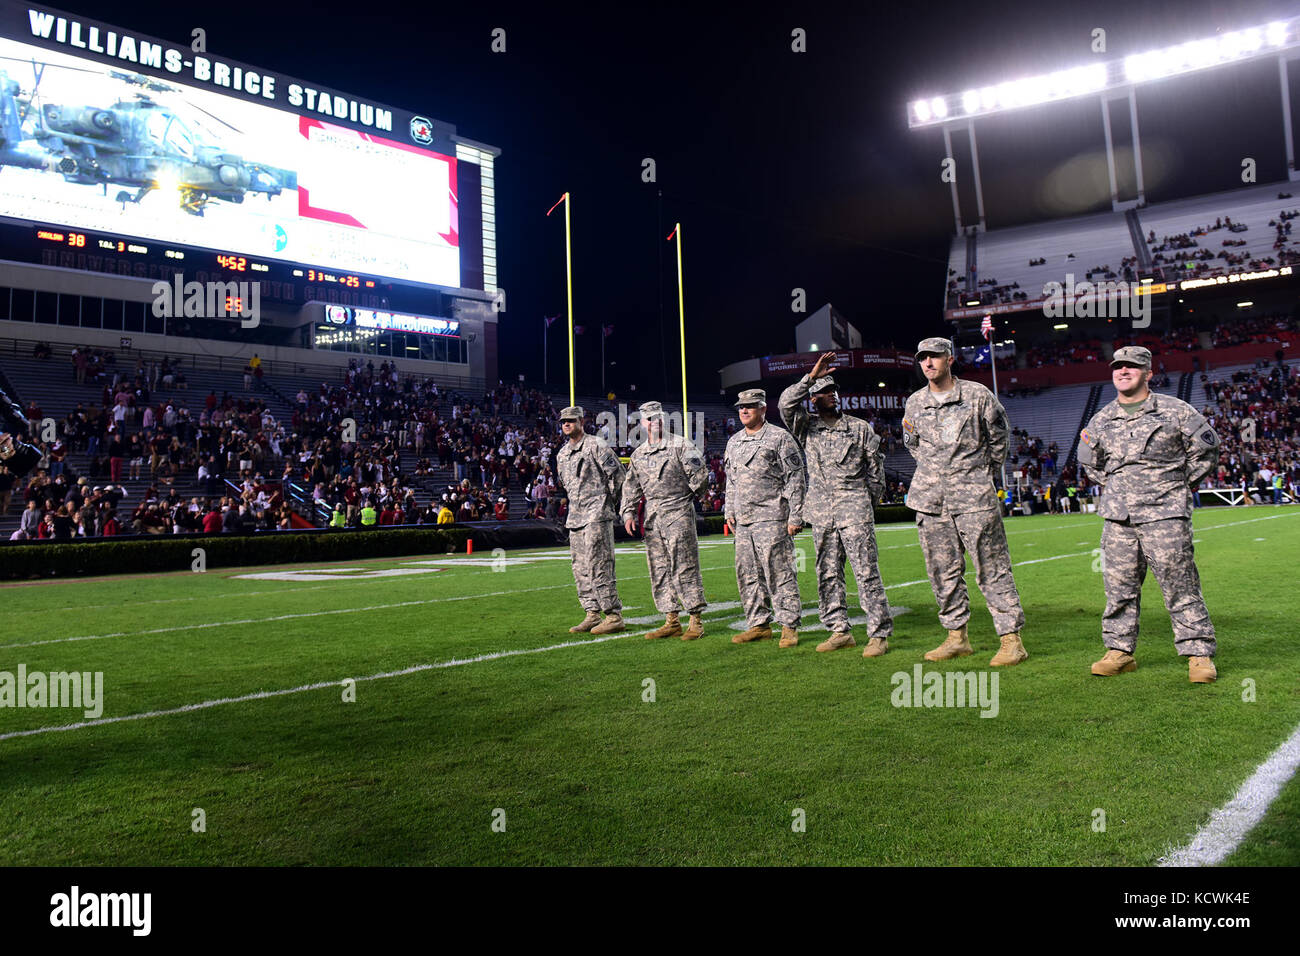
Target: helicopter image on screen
(137, 142)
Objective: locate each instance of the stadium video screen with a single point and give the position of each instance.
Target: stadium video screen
(98, 144)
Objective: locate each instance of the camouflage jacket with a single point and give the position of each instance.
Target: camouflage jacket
(846, 470)
(592, 479)
(1148, 463)
(764, 477)
(669, 473)
(959, 439)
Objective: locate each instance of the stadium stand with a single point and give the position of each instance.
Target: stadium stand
(1220, 234)
(1071, 246)
(1265, 398)
(1238, 231)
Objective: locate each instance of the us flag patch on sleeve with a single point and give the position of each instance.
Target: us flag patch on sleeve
(1085, 437)
(908, 426)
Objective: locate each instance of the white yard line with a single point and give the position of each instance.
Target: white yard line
(1228, 825)
(450, 566)
(264, 694)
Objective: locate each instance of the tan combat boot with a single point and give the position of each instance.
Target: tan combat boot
(957, 645)
(588, 622)
(836, 641)
(696, 630)
(1201, 670)
(1114, 662)
(1011, 653)
(789, 636)
(612, 624)
(760, 632)
(670, 629)
(876, 647)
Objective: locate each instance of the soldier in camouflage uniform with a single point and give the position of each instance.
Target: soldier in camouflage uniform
(957, 432)
(592, 478)
(765, 491)
(846, 472)
(669, 471)
(1148, 451)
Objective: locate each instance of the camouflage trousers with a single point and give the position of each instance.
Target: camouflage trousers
(858, 544)
(592, 550)
(981, 535)
(673, 552)
(1166, 545)
(765, 574)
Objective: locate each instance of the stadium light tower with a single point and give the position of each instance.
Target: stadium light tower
(1113, 79)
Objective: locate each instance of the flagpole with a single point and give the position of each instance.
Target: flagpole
(681, 319)
(602, 361)
(546, 328)
(568, 279)
(568, 276)
(993, 364)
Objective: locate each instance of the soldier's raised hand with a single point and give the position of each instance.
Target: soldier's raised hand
(823, 365)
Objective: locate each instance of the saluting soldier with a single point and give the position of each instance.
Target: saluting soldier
(670, 472)
(957, 432)
(15, 454)
(592, 478)
(765, 492)
(846, 472)
(1148, 451)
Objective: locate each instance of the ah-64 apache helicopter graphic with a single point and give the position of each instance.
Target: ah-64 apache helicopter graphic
(136, 142)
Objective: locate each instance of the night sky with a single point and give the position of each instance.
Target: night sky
(786, 169)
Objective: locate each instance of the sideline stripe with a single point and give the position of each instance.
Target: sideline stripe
(470, 597)
(1228, 825)
(304, 614)
(264, 694)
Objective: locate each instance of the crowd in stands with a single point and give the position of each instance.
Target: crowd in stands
(1063, 353)
(1257, 416)
(1271, 328)
(1193, 261)
(371, 449)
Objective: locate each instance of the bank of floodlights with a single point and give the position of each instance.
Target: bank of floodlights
(1234, 47)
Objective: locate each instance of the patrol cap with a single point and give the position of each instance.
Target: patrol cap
(823, 384)
(1133, 354)
(752, 396)
(572, 413)
(651, 410)
(936, 344)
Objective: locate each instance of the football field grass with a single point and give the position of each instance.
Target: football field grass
(482, 732)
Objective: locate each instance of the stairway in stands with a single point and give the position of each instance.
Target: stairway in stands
(1139, 242)
(1089, 409)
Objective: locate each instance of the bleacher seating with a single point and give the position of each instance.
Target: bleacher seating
(1005, 254)
(1252, 207)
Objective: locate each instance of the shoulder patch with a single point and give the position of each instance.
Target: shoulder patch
(1086, 438)
(908, 426)
(1208, 435)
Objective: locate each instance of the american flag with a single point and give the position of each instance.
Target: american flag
(986, 327)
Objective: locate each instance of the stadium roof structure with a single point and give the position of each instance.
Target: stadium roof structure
(1109, 80)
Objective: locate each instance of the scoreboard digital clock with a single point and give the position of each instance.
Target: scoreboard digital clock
(106, 253)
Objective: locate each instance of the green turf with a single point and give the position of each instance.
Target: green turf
(713, 771)
(1276, 841)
